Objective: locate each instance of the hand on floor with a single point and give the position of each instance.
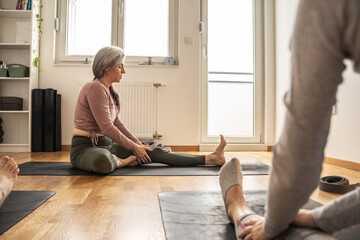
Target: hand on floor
(254, 230)
(305, 218)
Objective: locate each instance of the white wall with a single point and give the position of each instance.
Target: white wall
(343, 141)
(284, 20)
(179, 101)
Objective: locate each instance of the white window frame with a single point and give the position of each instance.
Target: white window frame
(258, 6)
(117, 39)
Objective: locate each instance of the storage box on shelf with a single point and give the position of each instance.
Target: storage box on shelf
(11, 103)
(19, 43)
(18, 70)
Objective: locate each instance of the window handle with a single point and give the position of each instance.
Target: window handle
(57, 24)
(121, 9)
(205, 50)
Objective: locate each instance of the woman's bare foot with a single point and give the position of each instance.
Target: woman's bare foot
(8, 175)
(130, 161)
(217, 157)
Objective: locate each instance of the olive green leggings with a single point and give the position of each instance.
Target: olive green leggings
(103, 157)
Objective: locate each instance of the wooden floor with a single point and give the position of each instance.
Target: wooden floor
(115, 207)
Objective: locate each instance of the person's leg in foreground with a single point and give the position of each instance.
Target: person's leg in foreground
(8, 175)
(239, 212)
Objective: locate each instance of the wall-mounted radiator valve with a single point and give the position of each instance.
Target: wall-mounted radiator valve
(157, 135)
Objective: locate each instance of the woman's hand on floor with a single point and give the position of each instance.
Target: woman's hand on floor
(140, 153)
(305, 218)
(254, 230)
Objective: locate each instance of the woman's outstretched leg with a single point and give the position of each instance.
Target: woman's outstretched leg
(8, 175)
(231, 187)
(161, 155)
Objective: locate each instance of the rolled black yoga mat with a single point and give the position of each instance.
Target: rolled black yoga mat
(154, 169)
(336, 184)
(193, 215)
(58, 123)
(19, 204)
(49, 120)
(37, 118)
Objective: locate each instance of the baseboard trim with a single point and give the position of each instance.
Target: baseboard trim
(65, 148)
(175, 148)
(185, 148)
(206, 147)
(234, 147)
(342, 163)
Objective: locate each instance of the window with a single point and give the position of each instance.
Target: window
(142, 28)
(146, 32)
(232, 71)
(84, 31)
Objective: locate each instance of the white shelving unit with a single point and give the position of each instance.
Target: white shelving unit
(17, 124)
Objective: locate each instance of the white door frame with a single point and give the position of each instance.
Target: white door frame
(258, 18)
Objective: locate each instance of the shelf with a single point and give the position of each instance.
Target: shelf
(17, 123)
(16, 112)
(14, 78)
(15, 13)
(15, 45)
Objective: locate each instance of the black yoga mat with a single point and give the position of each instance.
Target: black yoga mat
(196, 215)
(153, 169)
(19, 204)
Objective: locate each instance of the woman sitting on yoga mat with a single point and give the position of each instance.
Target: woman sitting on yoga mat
(8, 175)
(325, 33)
(101, 142)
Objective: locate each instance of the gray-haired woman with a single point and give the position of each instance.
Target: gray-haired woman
(101, 142)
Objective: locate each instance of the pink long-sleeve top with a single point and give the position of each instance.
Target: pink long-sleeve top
(96, 112)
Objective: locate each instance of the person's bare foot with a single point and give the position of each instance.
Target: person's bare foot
(130, 161)
(8, 175)
(217, 157)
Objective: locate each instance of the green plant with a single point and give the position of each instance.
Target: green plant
(39, 19)
(36, 62)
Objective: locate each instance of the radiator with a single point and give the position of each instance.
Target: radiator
(138, 107)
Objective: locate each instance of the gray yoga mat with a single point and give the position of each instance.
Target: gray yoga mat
(19, 204)
(193, 215)
(153, 169)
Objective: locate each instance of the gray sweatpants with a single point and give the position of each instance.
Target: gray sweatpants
(326, 32)
(103, 157)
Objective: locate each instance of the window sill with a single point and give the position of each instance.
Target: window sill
(130, 64)
(155, 65)
(72, 65)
